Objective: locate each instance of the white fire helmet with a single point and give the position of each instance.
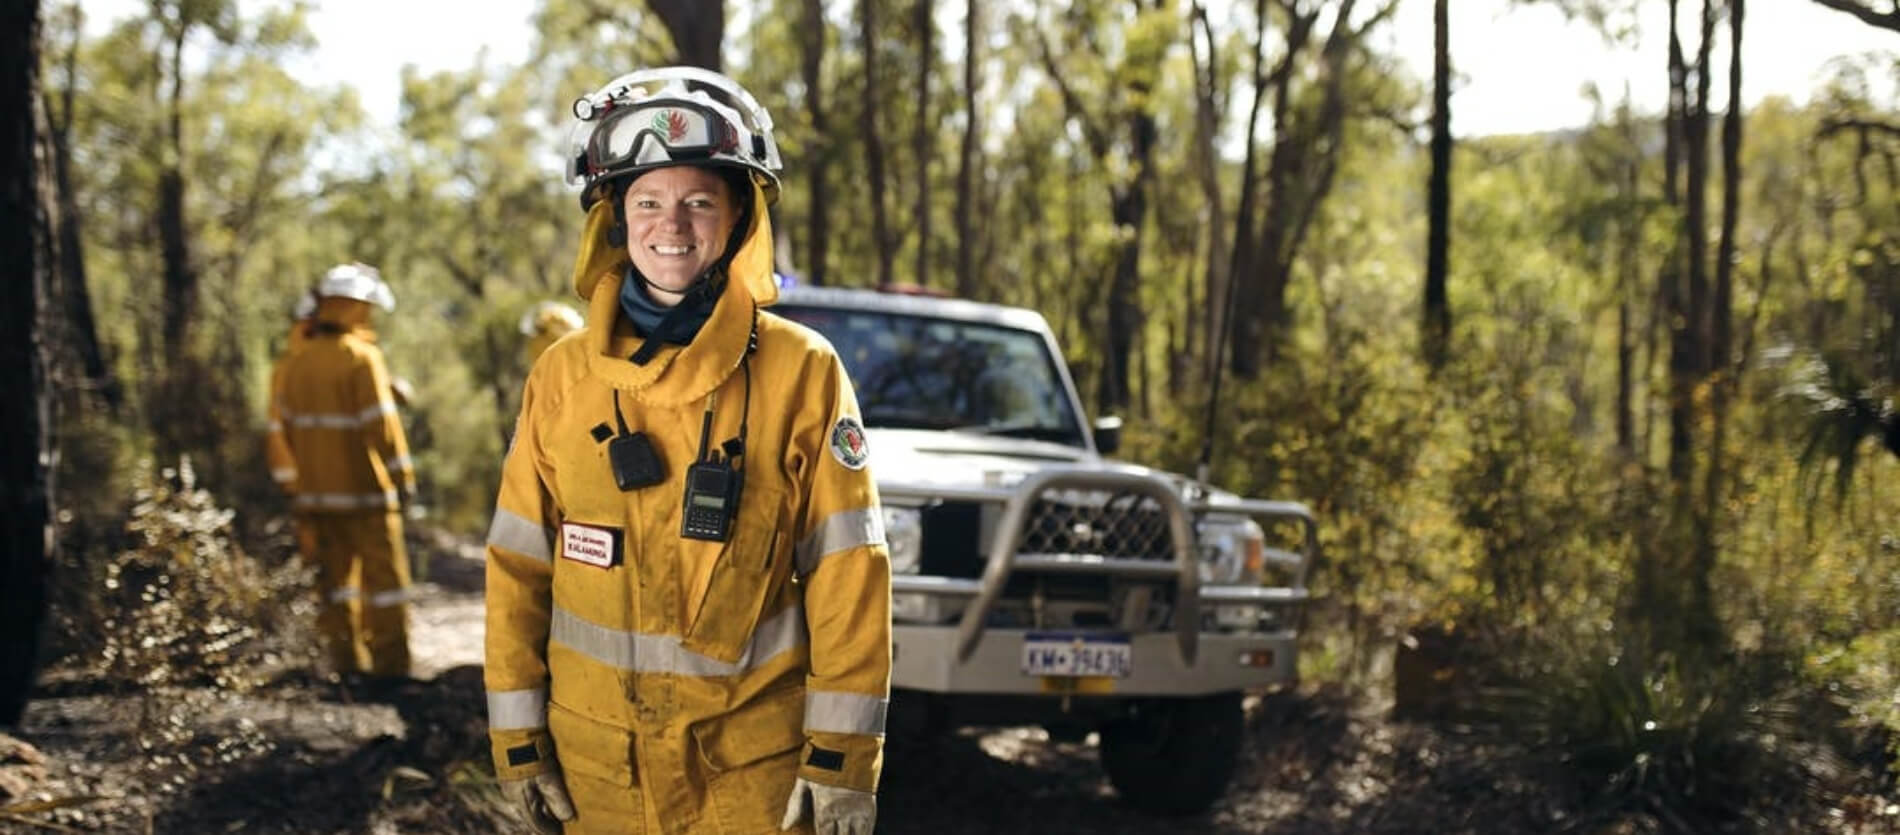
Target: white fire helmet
(669, 116)
(357, 281)
(550, 318)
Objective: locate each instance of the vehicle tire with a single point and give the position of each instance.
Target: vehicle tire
(1174, 756)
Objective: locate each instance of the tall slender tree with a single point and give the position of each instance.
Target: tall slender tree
(1436, 328)
(923, 133)
(80, 333)
(811, 67)
(882, 235)
(967, 151)
(1131, 110)
(27, 236)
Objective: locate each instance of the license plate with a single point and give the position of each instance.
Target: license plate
(1077, 654)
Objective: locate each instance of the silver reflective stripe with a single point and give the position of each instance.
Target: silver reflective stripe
(515, 533)
(399, 463)
(376, 412)
(844, 713)
(284, 474)
(276, 426)
(384, 599)
(343, 595)
(839, 531)
(642, 653)
(346, 501)
(510, 710)
(326, 422)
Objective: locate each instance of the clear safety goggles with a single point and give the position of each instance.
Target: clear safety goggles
(672, 114)
(658, 131)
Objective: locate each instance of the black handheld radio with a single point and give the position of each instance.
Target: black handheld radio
(713, 484)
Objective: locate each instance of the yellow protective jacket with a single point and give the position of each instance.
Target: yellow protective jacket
(701, 676)
(283, 465)
(340, 423)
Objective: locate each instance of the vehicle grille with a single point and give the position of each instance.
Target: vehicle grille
(1122, 526)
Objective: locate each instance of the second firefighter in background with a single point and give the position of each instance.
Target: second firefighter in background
(688, 585)
(337, 447)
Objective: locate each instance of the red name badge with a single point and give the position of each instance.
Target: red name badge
(590, 544)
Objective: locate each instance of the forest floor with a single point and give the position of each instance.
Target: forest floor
(301, 754)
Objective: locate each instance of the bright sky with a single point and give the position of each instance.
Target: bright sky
(1522, 66)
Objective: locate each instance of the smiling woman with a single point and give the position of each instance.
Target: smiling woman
(679, 221)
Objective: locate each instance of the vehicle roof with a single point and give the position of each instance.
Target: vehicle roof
(934, 307)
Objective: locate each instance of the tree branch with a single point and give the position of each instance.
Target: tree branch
(1098, 140)
(1885, 20)
(1830, 127)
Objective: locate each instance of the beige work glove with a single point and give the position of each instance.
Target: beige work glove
(543, 800)
(835, 810)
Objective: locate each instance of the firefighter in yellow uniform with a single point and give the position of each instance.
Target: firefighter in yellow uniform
(688, 587)
(545, 324)
(352, 475)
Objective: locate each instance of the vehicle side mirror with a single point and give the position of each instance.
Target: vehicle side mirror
(1108, 434)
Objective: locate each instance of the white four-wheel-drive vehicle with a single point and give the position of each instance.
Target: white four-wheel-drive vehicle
(1036, 581)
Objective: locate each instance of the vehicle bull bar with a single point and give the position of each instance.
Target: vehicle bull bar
(1018, 502)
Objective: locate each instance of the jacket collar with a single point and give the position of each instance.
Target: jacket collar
(677, 374)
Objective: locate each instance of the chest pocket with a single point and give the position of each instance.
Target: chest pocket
(752, 565)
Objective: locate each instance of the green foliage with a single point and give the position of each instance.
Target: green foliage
(1691, 746)
(183, 603)
(1500, 496)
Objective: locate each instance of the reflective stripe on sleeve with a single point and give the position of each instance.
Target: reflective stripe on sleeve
(399, 463)
(326, 421)
(643, 653)
(344, 595)
(515, 533)
(346, 501)
(840, 531)
(284, 475)
(376, 412)
(510, 710)
(844, 713)
(385, 599)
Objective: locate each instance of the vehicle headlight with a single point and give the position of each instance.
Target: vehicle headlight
(1233, 550)
(904, 536)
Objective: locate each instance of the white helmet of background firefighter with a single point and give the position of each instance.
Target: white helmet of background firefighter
(357, 281)
(663, 117)
(546, 323)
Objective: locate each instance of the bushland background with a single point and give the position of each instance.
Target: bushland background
(1598, 421)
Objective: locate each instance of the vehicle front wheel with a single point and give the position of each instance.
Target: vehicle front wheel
(1174, 756)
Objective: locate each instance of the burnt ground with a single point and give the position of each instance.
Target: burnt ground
(302, 754)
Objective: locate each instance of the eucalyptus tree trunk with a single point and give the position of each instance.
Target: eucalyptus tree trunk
(922, 133)
(811, 40)
(966, 152)
(180, 274)
(81, 333)
(1435, 330)
(698, 28)
(881, 236)
(26, 234)
(1207, 107)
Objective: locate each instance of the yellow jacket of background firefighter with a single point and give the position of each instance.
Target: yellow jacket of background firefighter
(338, 411)
(681, 685)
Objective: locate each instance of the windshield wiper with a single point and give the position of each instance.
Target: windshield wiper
(1031, 431)
(899, 420)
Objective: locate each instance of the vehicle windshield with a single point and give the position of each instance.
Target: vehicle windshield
(916, 372)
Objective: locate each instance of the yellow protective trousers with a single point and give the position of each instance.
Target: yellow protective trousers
(363, 581)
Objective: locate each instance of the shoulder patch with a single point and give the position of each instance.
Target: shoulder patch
(848, 444)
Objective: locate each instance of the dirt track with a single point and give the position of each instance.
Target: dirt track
(306, 756)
